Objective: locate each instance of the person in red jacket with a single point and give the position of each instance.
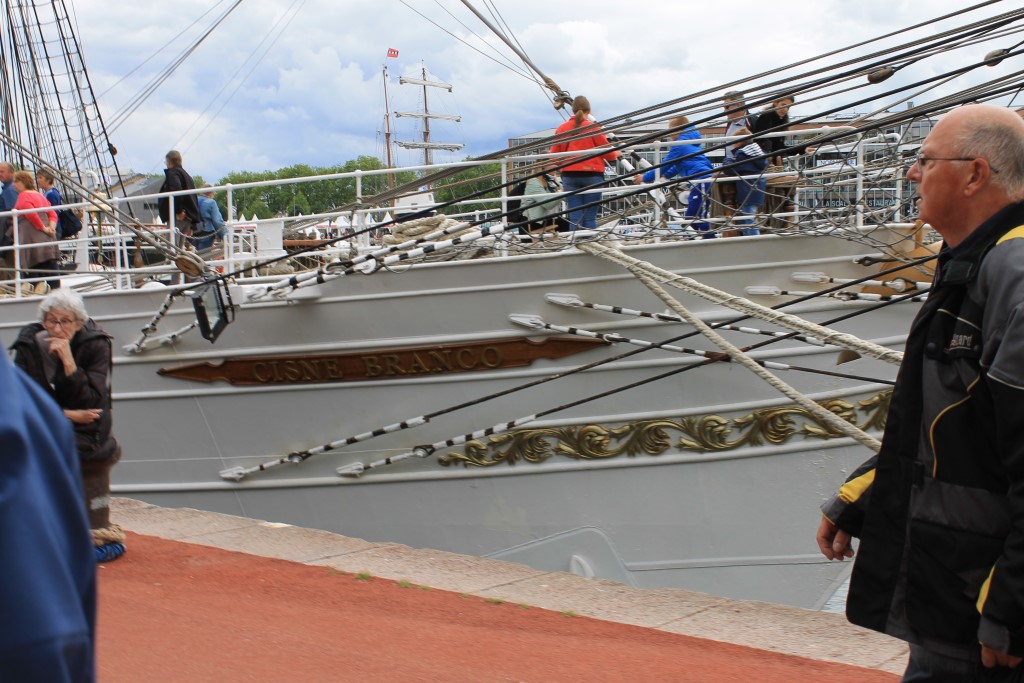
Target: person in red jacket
(580, 133)
(37, 229)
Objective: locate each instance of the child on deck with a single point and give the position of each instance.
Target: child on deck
(688, 161)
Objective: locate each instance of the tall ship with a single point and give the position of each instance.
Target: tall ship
(634, 402)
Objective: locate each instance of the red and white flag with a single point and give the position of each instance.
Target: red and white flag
(392, 52)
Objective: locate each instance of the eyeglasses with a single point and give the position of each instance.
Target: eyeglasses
(921, 161)
(59, 322)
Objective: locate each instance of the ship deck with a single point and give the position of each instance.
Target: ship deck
(204, 596)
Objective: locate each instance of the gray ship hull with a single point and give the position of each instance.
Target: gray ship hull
(706, 479)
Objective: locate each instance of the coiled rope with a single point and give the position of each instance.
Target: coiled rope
(411, 230)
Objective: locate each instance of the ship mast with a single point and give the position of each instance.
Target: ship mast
(387, 131)
(426, 145)
(47, 103)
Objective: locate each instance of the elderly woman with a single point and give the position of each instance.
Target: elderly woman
(69, 356)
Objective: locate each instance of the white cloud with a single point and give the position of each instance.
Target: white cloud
(316, 97)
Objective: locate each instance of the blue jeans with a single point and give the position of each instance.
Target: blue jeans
(926, 666)
(749, 198)
(579, 218)
(202, 240)
(697, 206)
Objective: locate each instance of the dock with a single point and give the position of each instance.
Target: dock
(202, 596)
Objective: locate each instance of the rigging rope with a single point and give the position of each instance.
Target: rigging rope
(240, 472)
(745, 306)
(537, 323)
(137, 101)
(829, 418)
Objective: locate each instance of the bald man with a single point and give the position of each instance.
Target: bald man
(940, 509)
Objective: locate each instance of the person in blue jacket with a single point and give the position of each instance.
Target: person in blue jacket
(48, 585)
(213, 222)
(688, 161)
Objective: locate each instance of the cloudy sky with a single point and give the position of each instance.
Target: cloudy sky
(280, 82)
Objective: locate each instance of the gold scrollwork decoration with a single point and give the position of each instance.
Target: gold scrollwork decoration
(710, 433)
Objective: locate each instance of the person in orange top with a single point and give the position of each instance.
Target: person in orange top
(38, 229)
(582, 135)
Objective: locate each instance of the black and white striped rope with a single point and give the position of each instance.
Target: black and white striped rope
(769, 290)
(239, 473)
(291, 283)
(833, 421)
(839, 425)
(163, 340)
(381, 256)
(573, 301)
(826, 416)
(140, 344)
(899, 284)
(791, 322)
(357, 468)
(537, 323)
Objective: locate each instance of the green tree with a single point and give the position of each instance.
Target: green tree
(483, 179)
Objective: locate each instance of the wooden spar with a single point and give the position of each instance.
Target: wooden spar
(387, 131)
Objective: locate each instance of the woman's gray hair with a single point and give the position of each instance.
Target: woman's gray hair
(1002, 145)
(64, 299)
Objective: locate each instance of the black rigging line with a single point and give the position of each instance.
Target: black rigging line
(50, 112)
(297, 7)
(160, 49)
(121, 116)
(511, 68)
(500, 21)
(609, 123)
(881, 59)
(82, 84)
(508, 34)
(510, 65)
(785, 84)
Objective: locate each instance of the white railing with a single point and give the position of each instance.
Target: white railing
(105, 233)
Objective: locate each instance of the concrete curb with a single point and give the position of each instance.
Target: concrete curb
(777, 628)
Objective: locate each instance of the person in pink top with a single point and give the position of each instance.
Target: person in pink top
(580, 133)
(38, 229)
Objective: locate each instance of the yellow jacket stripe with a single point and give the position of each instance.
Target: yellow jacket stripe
(983, 595)
(1012, 234)
(855, 488)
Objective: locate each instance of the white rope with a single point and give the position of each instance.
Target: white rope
(745, 306)
(829, 418)
(406, 230)
(399, 252)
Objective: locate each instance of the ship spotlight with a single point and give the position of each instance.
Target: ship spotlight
(213, 308)
(993, 58)
(879, 75)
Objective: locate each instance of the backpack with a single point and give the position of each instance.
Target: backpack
(68, 223)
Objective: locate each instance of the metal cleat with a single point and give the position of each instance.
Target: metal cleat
(534, 322)
(233, 474)
(563, 299)
(355, 469)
